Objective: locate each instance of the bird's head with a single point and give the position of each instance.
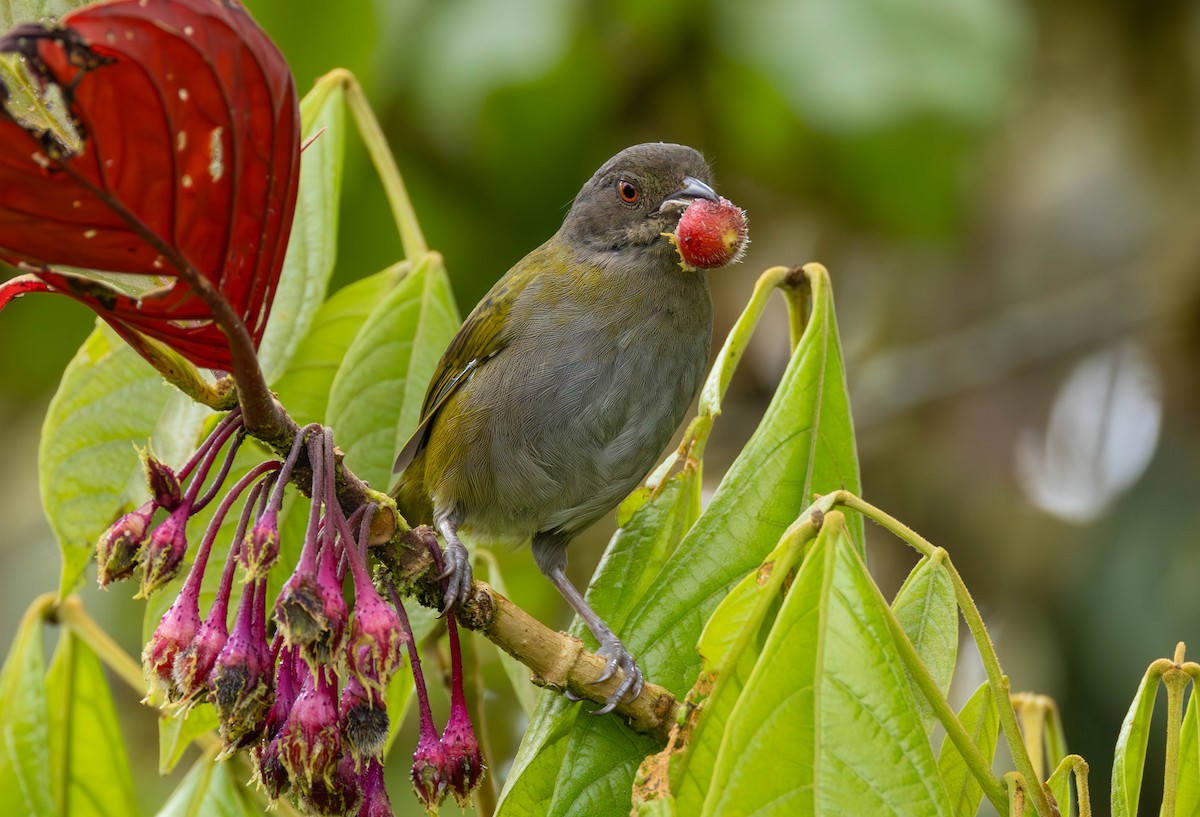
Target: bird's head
(637, 196)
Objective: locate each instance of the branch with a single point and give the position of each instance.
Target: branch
(558, 661)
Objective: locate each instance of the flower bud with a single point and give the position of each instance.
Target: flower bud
(364, 720)
(118, 547)
(376, 640)
(161, 480)
(336, 794)
(241, 676)
(165, 551)
(429, 776)
(260, 548)
(375, 798)
(193, 664)
(269, 773)
(311, 611)
(310, 743)
(175, 631)
(464, 760)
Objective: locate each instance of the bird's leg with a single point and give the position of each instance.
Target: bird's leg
(458, 564)
(550, 553)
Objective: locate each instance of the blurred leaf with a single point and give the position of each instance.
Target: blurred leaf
(176, 733)
(981, 720)
(210, 790)
(1130, 755)
(312, 248)
(376, 396)
(90, 770)
(852, 65)
(829, 685)
(1187, 791)
(928, 611)
(24, 748)
(88, 469)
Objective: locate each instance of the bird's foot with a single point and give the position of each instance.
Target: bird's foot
(457, 574)
(632, 681)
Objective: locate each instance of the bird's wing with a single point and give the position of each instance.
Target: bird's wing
(482, 336)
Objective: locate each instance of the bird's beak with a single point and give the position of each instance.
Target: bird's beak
(692, 188)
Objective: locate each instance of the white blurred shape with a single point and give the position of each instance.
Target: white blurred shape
(1102, 433)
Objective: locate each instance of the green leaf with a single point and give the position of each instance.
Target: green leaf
(312, 246)
(981, 720)
(560, 729)
(1130, 755)
(89, 770)
(304, 386)
(928, 612)
(1056, 750)
(730, 645)
(1187, 791)
(24, 731)
(830, 687)
(375, 400)
(211, 789)
(88, 468)
(177, 731)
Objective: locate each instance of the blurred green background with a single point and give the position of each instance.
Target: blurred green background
(1006, 196)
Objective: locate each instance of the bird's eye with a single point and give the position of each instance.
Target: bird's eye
(627, 190)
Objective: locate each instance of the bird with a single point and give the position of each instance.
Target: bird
(567, 381)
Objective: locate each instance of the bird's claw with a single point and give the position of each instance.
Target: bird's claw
(457, 575)
(632, 682)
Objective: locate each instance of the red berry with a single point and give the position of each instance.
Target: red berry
(711, 234)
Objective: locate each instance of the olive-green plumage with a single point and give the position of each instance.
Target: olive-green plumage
(566, 382)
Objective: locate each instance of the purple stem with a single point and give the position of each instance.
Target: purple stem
(427, 726)
(210, 535)
(224, 428)
(226, 586)
(285, 473)
(308, 556)
(220, 478)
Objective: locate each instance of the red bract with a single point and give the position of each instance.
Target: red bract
(186, 172)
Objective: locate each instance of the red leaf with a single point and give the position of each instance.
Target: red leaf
(187, 170)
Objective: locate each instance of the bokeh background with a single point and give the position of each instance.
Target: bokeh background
(1006, 193)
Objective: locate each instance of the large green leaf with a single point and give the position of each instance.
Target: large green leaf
(804, 445)
(981, 720)
(89, 768)
(375, 400)
(1129, 757)
(24, 731)
(1187, 790)
(312, 246)
(88, 468)
(829, 685)
(211, 789)
(928, 612)
(304, 385)
(731, 645)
